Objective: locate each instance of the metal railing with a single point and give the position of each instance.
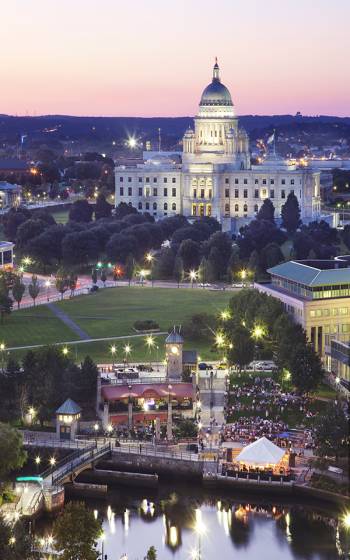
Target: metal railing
(86, 457)
(67, 459)
(32, 440)
(145, 380)
(153, 451)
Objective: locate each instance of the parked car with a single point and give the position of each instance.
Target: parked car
(203, 366)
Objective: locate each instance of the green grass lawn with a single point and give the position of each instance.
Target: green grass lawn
(112, 312)
(33, 326)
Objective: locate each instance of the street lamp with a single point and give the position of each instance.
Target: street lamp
(127, 350)
(2, 350)
(225, 315)
(150, 343)
(65, 351)
(219, 339)
(258, 332)
(113, 352)
(47, 285)
(150, 259)
(132, 142)
(193, 276)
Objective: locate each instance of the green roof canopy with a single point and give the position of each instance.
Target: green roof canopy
(69, 407)
(309, 275)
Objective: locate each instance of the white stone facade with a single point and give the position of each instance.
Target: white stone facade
(215, 177)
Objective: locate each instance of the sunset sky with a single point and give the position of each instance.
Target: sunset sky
(154, 57)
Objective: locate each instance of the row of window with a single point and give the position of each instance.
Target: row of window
(147, 179)
(264, 193)
(236, 208)
(147, 191)
(155, 206)
(328, 312)
(256, 181)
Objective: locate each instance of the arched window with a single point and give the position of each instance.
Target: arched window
(245, 208)
(256, 208)
(140, 205)
(227, 208)
(165, 206)
(154, 206)
(173, 206)
(236, 207)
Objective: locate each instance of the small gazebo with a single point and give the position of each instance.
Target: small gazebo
(67, 419)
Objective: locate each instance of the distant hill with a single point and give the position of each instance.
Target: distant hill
(63, 128)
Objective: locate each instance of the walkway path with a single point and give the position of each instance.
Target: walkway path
(68, 321)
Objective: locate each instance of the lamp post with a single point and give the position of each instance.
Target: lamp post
(2, 350)
(113, 352)
(257, 334)
(127, 350)
(129, 408)
(150, 344)
(150, 259)
(47, 285)
(193, 276)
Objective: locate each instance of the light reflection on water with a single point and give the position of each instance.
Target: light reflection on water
(184, 524)
(181, 528)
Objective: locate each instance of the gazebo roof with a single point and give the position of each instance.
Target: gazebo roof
(261, 452)
(174, 338)
(69, 407)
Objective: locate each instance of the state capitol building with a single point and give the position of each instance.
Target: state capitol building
(214, 176)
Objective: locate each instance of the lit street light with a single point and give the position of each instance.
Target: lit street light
(193, 276)
(113, 352)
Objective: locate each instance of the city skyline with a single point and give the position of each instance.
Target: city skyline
(149, 59)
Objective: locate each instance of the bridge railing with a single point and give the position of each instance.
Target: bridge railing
(68, 459)
(88, 455)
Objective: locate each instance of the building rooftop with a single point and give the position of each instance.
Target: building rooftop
(311, 276)
(6, 245)
(69, 407)
(174, 338)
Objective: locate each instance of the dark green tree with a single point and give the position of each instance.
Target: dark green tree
(151, 554)
(102, 208)
(18, 290)
(104, 276)
(81, 211)
(189, 252)
(291, 214)
(332, 432)
(178, 272)
(129, 269)
(61, 282)
(76, 532)
(12, 454)
(34, 288)
(306, 368)
(267, 211)
(15, 542)
(241, 347)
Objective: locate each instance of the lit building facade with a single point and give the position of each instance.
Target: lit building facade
(214, 176)
(317, 295)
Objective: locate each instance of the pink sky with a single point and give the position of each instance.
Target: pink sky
(154, 57)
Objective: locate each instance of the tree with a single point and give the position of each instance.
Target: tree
(151, 554)
(164, 264)
(6, 303)
(13, 219)
(86, 381)
(79, 248)
(103, 276)
(291, 214)
(178, 272)
(242, 351)
(94, 275)
(76, 532)
(29, 230)
(306, 368)
(129, 268)
(34, 288)
(102, 208)
(12, 454)
(120, 246)
(271, 255)
(18, 290)
(332, 432)
(72, 283)
(189, 252)
(253, 263)
(267, 211)
(15, 542)
(81, 211)
(61, 282)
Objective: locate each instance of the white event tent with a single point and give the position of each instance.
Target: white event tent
(261, 452)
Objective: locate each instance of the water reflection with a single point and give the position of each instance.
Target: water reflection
(182, 525)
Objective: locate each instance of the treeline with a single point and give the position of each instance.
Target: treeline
(257, 326)
(43, 380)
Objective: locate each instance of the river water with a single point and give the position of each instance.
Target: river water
(184, 523)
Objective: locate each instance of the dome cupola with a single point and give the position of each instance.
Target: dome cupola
(216, 94)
